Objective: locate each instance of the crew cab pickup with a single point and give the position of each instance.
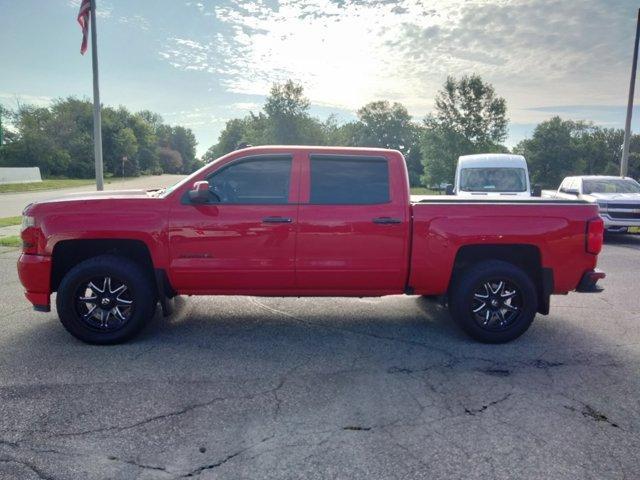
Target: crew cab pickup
(618, 199)
(303, 221)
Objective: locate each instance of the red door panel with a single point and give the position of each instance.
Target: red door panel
(340, 249)
(357, 249)
(231, 248)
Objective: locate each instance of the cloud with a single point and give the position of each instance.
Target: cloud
(137, 21)
(11, 99)
(349, 52)
(195, 117)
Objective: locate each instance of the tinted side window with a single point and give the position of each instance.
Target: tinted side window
(253, 181)
(351, 181)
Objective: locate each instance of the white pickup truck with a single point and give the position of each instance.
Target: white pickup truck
(493, 175)
(617, 197)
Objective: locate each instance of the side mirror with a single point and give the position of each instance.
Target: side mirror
(536, 191)
(200, 192)
(448, 189)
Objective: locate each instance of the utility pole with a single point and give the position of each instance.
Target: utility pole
(624, 163)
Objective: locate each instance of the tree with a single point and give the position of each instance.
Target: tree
(468, 118)
(560, 148)
(59, 140)
(287, 111)
(470, 107)
(184, 142)
(387, 125)
(170, 160)
(147, 156)
(285, 121)
(286, 100)
(3, 112)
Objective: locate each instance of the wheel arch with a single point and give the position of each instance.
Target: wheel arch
(525, 256)
(67, 253)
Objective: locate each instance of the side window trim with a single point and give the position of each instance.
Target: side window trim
(354, 158)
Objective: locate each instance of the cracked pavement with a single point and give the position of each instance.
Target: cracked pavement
(247, 387)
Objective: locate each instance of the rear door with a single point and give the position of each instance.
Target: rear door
(353, 225)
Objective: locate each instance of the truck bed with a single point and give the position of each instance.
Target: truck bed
(553, 229)
(546, 200)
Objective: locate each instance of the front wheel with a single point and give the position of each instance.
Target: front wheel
(493, 301)
(105, 300)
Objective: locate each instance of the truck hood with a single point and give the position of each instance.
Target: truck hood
(82, 197)
(615, 197)
(492, 194)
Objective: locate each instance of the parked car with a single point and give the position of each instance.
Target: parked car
(492, 174)
(303, 221)
(618, 199)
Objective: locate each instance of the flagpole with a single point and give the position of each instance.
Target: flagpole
(624, 163)
(97, 116)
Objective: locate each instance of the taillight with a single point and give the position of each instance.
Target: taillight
(595, 235)
(30, 234)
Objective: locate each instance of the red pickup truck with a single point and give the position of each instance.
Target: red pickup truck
(303, 221)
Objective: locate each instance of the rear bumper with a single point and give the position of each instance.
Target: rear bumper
(589, 282)
(35, 275)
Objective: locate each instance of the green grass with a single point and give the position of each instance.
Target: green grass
(45, 185)
(8, 221)
(424, 191)
(10, 241)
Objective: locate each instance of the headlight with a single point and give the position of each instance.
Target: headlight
(27, 222)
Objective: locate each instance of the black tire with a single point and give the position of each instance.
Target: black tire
(135, 304)
(506, 315)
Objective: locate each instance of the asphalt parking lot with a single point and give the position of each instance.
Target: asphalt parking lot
(244, 387)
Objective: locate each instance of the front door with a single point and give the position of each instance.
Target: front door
(243, 239)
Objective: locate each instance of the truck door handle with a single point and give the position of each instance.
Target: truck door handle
(277, 220)
(386, 220)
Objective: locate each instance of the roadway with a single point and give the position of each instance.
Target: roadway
(247, 387)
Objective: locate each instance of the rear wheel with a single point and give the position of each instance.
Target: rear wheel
(493, 301)
(105, 300)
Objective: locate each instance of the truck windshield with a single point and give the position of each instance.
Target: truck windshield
(610, 185)
(499, 179)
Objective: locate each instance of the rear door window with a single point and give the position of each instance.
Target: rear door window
(338, 180)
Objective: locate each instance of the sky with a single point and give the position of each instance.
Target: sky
(200, 63)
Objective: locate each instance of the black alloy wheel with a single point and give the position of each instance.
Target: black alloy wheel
(104, 303)
(493, 301)
(106, 299)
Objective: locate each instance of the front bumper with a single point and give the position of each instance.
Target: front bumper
(618, 225)
(35, 275)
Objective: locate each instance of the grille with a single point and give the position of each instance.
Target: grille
(624, 215)
(624, 205)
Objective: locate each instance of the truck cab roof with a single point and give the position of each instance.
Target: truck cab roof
(492, 160)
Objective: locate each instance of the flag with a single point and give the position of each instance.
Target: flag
(83, 20)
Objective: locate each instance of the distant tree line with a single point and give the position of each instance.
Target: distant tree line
(560, 148)
(59, 140)
(468, 118)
